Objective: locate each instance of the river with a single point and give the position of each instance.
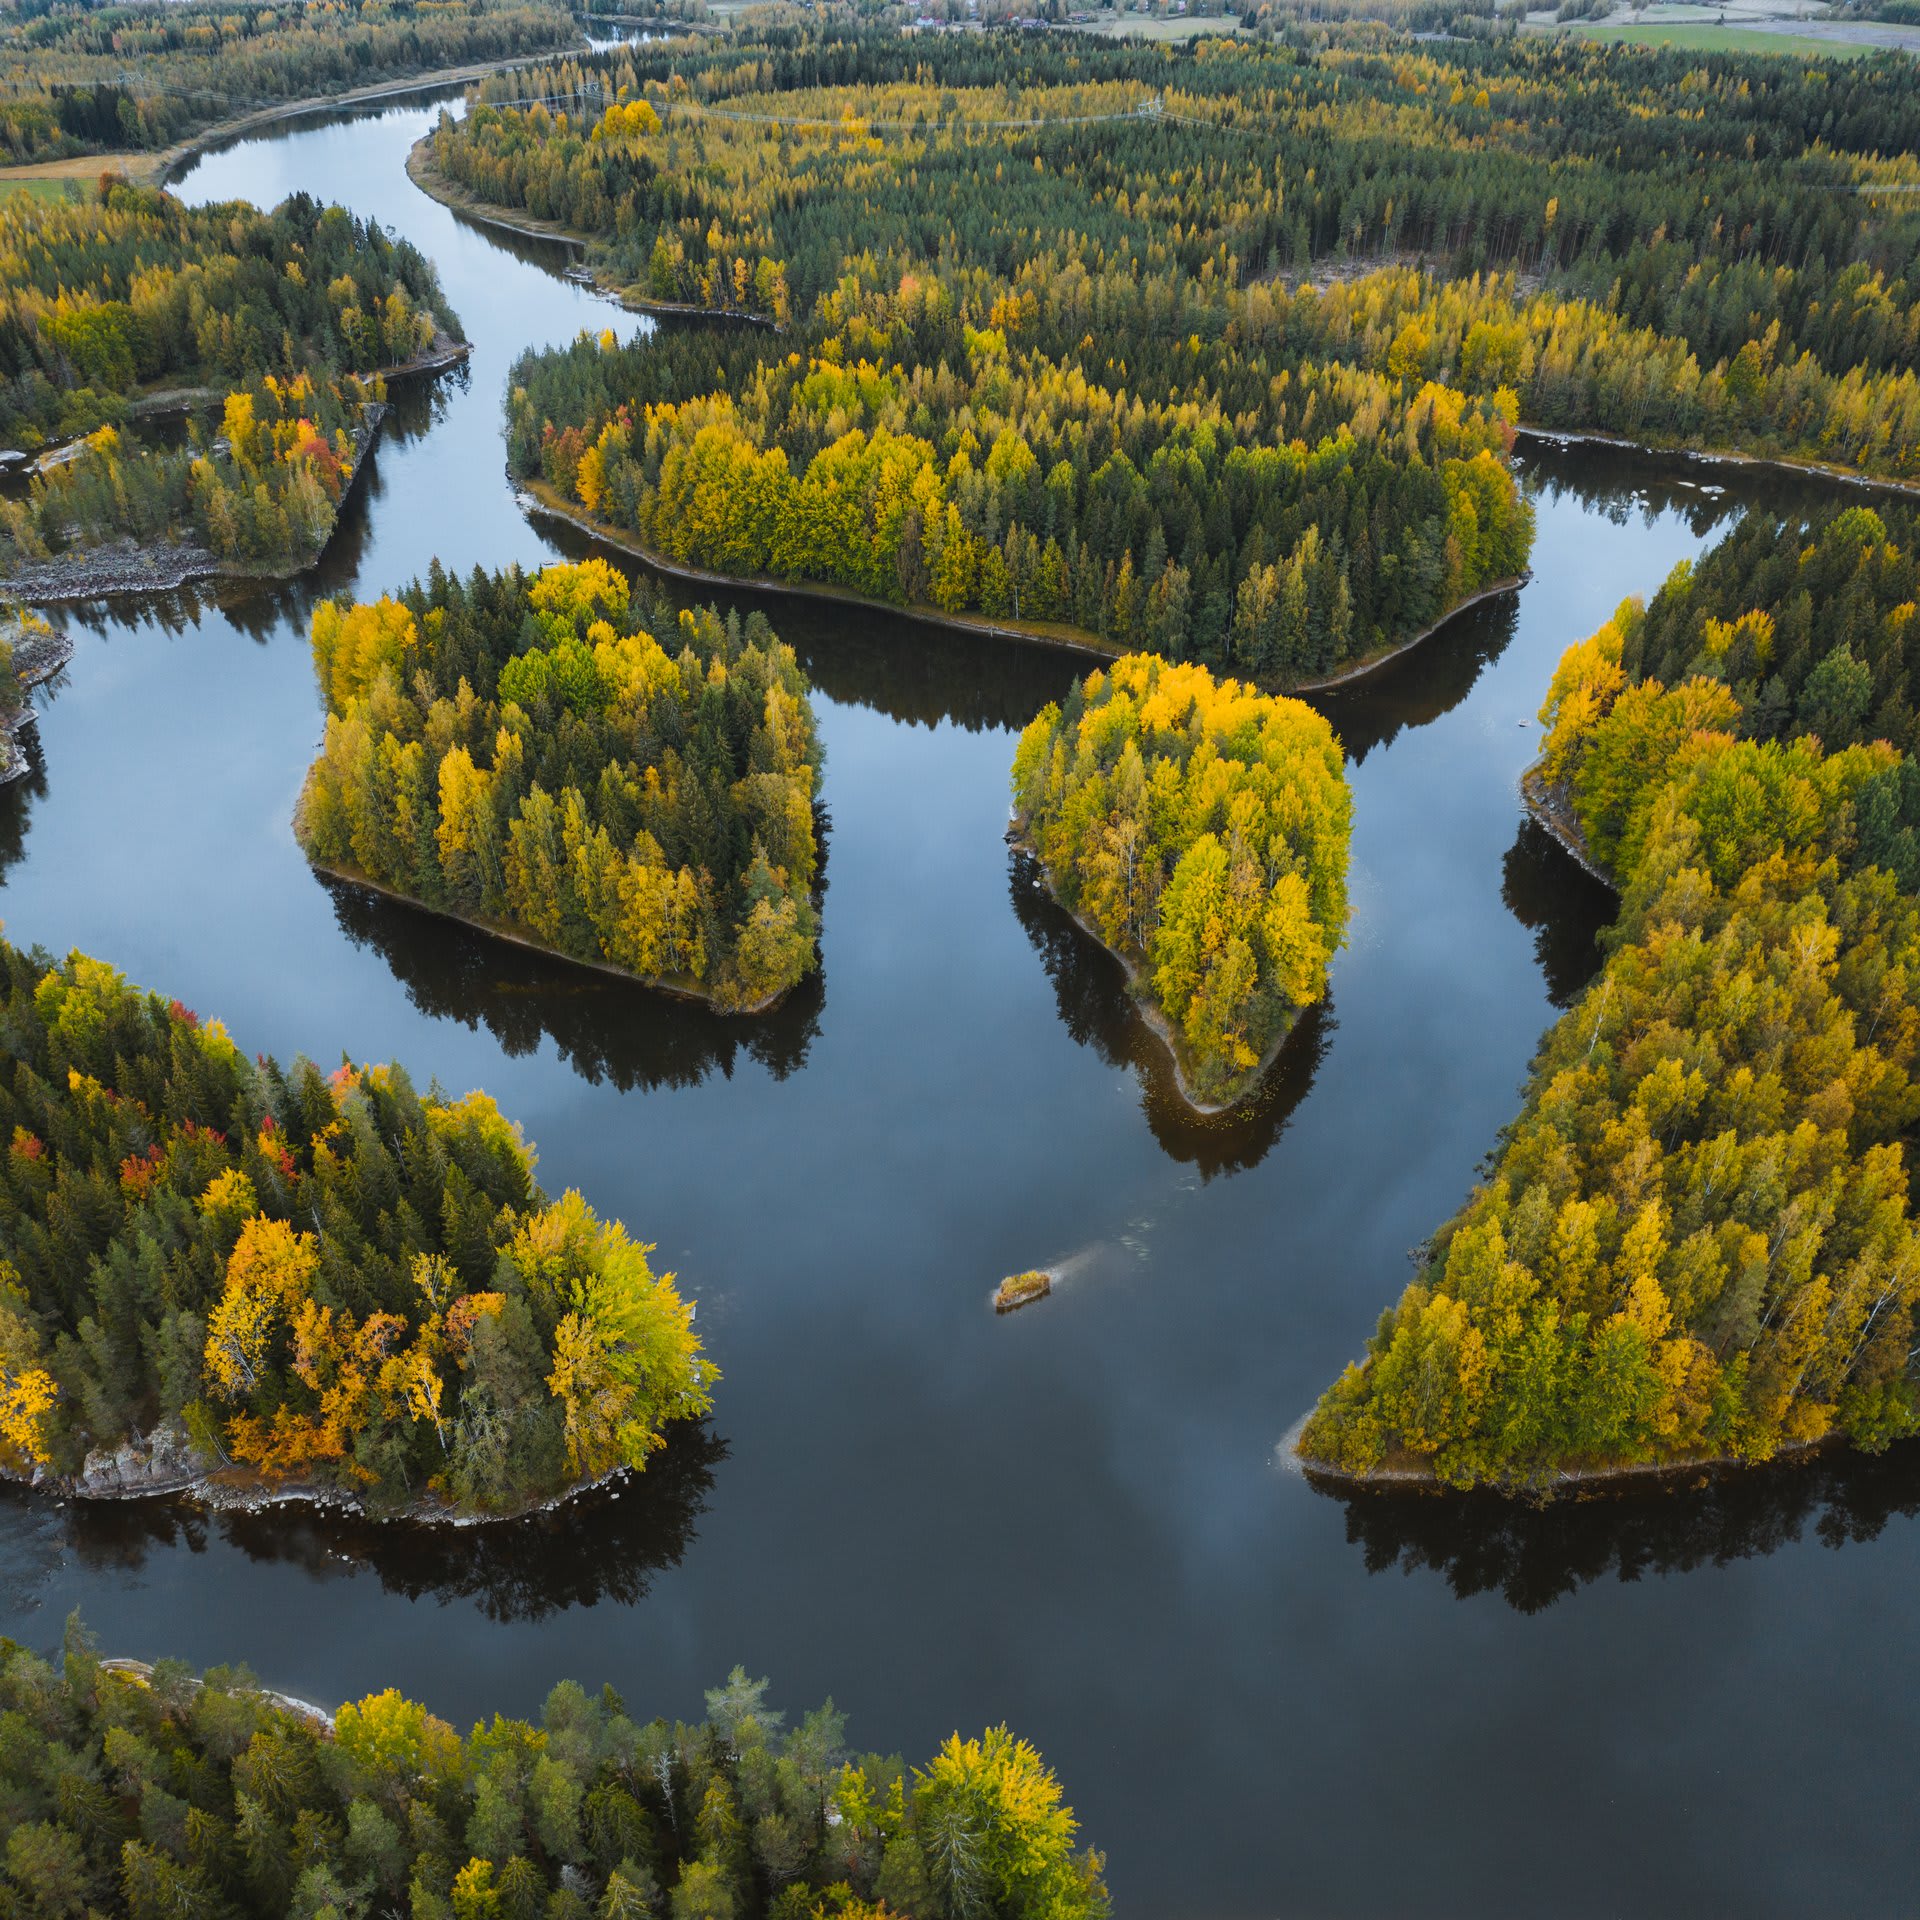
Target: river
(1261, 1700)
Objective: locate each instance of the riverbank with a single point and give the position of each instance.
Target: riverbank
(1779, 462)
(425, 174)
(1550, 804)
(1410, 1475)
(37, 657)
(538, 497)
(123, 565)
(142, 1671)
(177, 158)
(165, 1465)
(161, 166)
(1156, 1021)
(1372, 662)
(678, 987)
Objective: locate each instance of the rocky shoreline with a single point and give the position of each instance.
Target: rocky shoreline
(37, 657)
(142, 1671)
(117, 566)
(165, 1464)
(123, 565)
(1551, 805)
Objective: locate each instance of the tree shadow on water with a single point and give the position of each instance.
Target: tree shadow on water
(1535, 1555)
(605, 1028)
(918, 672)
(1095, 1007)
(17, 798)
(1420, 685)
(1548, 890)
(606, 1545)
(1624, 483)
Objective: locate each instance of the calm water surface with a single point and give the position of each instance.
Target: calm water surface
(1262, 1701)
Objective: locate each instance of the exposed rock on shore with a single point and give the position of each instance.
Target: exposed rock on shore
(39, 652)
(124, 566)
(1552, 806)
(166, 1462)
(118, 566)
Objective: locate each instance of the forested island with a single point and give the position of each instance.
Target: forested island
(1214, 351)
(988, 396)
(142, 1790)
(279, 328)
(1696, 1241)
(292, 1280)
(522, 753)
(82, 78)
(1199, 829)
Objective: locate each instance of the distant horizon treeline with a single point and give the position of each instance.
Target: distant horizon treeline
(1046, 356)
(1707, 197)
(524, 752)
(327, 1279)
(78, 76)
(1697, 1238)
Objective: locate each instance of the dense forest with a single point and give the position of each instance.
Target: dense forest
(77, 76)
(1200, 830)
(916, 459)
(1069, 334)
(136, 1790)
(523, 752)
(293, 316)
(1704, 197)
(1696, 1240)
(328, 1279)
(260, 497)
(132, 291)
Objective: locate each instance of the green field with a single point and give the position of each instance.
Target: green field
(1146, 26)
(1711, 39)
(37, 185)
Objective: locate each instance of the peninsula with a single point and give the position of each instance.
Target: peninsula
(1695, 1245)
(297, 1283)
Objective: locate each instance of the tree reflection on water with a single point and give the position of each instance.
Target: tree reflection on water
(606, 1545)
(1532, 1555)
